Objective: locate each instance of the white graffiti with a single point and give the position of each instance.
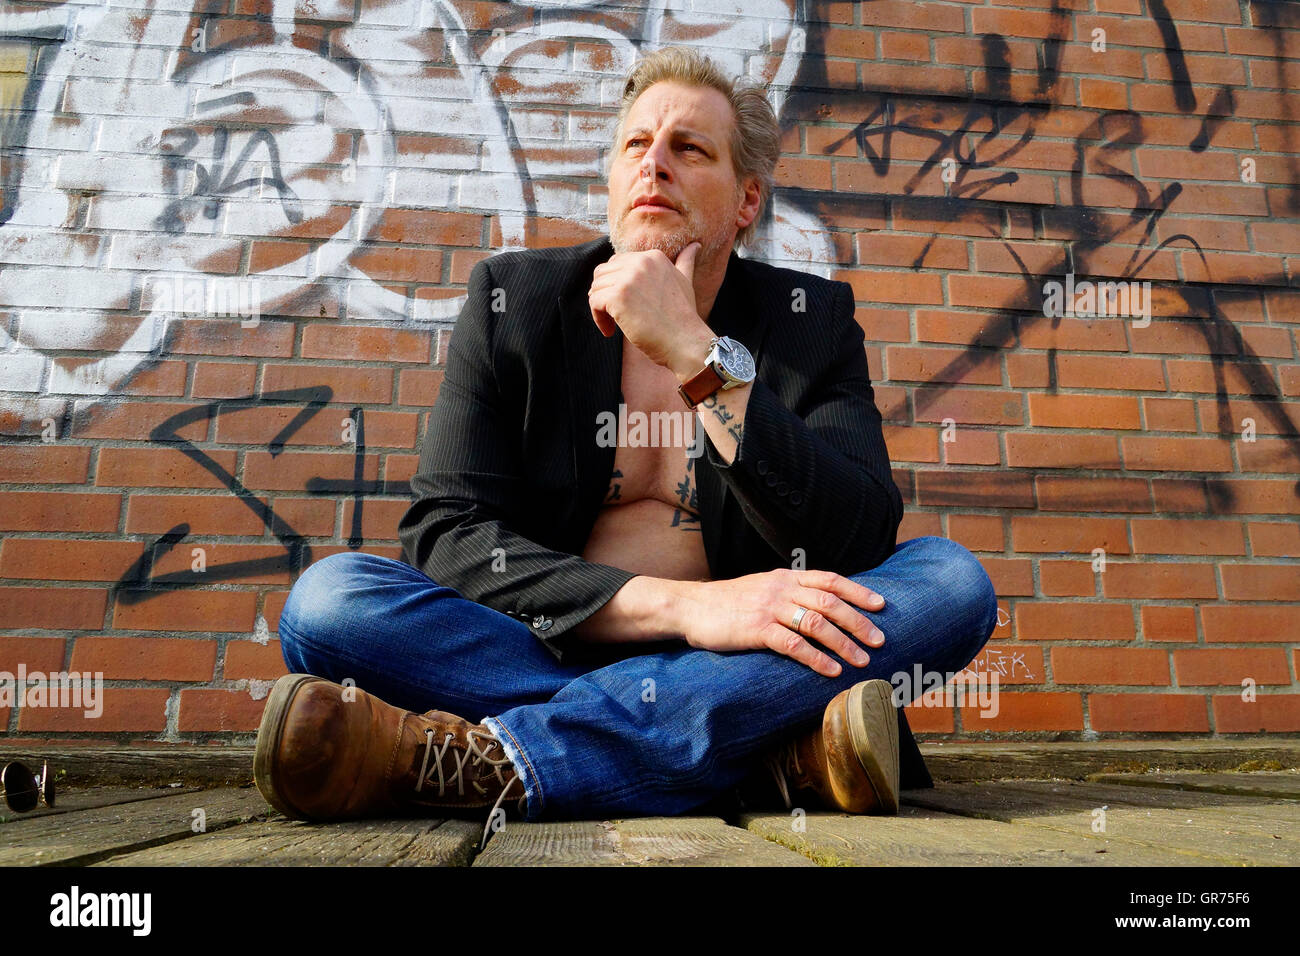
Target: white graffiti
(164, 144)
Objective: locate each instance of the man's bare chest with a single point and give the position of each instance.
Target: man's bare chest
(655, 434)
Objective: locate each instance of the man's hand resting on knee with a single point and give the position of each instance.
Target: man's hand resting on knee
(756, 611)
(747, 613)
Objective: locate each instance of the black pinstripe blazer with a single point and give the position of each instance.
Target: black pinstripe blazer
(511, 479)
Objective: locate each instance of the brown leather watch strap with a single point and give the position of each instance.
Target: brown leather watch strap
(700, 386)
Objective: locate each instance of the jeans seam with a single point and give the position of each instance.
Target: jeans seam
(532, 771)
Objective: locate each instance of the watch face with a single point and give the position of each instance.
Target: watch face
(735, 359)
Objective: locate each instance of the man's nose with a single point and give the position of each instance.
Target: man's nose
(653, 165)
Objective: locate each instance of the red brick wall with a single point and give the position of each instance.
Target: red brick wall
(349, 163)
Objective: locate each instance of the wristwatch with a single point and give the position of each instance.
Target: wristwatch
(727, 365)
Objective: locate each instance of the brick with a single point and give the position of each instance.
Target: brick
(1274, 539)
(365, 343)
(1267, 714)
(1198, 375)
(1103, 666)
(427, 227)
(1013, 664)
(1261, 582)
(54, 609)
(1109, 371)
(1166, 623)
(930, 720)
(972, 447)
(274, 605)
(1061, 493)
(1010, 576)
(968, 406)
(1152, 580)
(310, 471)
(223, 380)
(1187, 536)
(379, 518)
(36, 653)
(57, 511)
(306, 517)
(1206, 666)
(267, 339)
(974, 488)
(1253, 496)
(47, 559)
(1061, 450)
(249, 660)
(141, 710)
(1151, 453)
(1042, 533)
(204, 709)
(141, 658)
(914, 524)
(1235, 624)
(1084, 411)
(1169, 414)
(260, 425)
(45, 464)
(418, 386)
(1040, 710)
(398, 471)
(971, 329)
(1074, 620)
(1182, 495)
(1155, 713)
(912, 443)
(1269, 455)
(135, 420)
(976, 532)
(186, 610)
(881, 286)
(204, 514)
(1067, 578)
(912, 252)
(373, 386)
(224, 561)
(159, 467)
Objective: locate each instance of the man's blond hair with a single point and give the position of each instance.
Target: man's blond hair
(755, 136)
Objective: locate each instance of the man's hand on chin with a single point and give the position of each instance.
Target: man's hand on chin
(652, 299)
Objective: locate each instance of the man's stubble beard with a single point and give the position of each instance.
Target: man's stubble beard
(672, 242)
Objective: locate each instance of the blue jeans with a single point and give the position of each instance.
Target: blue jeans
(657, 733)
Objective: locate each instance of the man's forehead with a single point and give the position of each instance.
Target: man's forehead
(678, 104)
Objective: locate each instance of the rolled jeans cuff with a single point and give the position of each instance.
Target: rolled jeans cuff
(524, 770)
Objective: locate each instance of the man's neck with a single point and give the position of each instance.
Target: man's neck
(708, 282)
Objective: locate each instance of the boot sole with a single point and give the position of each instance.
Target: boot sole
(873, 728)
(268, 741)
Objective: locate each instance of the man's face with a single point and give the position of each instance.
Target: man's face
(675, 146)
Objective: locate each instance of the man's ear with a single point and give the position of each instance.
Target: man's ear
(748, 195)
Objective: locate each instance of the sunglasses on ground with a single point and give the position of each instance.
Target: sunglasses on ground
(23, 789)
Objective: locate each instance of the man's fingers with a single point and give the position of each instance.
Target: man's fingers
(840, 614)
(848, 589)
(816, 626)
(787, 642)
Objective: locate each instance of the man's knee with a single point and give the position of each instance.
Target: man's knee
(329, 595)
(970, 602)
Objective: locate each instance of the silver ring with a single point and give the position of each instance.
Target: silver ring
(798, 616)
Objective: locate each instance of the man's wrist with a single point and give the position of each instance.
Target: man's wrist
(690, 356)
(643, 609)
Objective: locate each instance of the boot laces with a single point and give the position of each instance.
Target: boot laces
(477, 755)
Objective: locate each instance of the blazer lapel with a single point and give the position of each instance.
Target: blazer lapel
(593, 376)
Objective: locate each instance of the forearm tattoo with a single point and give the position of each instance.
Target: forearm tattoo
(736, 430)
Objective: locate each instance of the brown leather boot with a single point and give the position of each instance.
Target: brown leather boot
(328, 752)
(850, 762)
